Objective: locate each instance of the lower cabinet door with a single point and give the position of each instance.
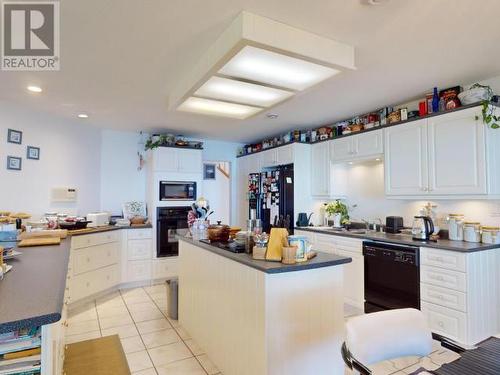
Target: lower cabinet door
(446, 322)
(89, 283)
(138, 270)
(354, 289)
(165, 268)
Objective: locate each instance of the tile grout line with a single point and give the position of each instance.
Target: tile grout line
(135, 325)
(183, 341)
(98, 319)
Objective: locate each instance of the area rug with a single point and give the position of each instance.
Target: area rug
(103, 356)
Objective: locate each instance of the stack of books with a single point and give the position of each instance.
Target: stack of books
(20, 352)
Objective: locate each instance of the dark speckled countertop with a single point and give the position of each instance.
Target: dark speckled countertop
(32, 293)
(405, 239)
(319, 261)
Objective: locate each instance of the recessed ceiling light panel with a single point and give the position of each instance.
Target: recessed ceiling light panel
(242, 92)
(276, 69)
(82, 115)
(33, 88)
(218, 108)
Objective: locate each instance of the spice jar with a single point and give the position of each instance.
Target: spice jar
(455, 227)
(490, 235)
(472, 231)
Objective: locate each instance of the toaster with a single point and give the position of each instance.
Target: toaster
(393, 224)
(98, 219)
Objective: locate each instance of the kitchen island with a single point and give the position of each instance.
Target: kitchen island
(259, 317)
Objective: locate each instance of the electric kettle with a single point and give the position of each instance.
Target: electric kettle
(422, 228)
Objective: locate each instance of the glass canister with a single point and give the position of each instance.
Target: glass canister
(456, 226)
(490, 235)
(472, 231)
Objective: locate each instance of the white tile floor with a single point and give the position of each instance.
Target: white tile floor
(155, 345)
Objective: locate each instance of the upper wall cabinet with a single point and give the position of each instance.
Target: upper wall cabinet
(277, 156)
(442, 156)
(357, 147)
(170, 159)
(320, 170)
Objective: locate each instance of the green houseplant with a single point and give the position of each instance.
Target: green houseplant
(489, 115)
(337, 207)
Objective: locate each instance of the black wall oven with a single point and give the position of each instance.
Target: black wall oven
(392, 276)
(177, 191)
(170, 222)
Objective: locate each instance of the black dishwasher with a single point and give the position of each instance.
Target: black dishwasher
(392, 276)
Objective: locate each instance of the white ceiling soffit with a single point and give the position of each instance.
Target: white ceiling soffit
(251, 36)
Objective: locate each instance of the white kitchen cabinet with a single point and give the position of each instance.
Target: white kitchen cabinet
(341, 149)
(165, 268)
(171, 159)
(443, 156)
(457, 153)
(138, 270)
(254, 162)
(357, 147)
(277, 156)
(320, 170)
(457, 294)
(406, 166)
(354, 287)
(139, 255)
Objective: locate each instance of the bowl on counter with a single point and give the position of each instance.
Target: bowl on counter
(73, 225)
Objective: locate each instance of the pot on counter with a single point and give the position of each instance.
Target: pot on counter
(218, 232)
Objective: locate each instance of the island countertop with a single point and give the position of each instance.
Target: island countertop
(319, 261)
(32, 293)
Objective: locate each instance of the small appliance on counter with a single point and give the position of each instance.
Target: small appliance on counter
(393, 224)
(303, 220)
(422, 228)
(98, 219)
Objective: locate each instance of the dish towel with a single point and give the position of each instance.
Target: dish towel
(277, 239)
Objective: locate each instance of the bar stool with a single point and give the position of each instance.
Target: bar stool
(384, 335)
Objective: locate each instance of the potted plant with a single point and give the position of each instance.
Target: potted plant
(339, 212)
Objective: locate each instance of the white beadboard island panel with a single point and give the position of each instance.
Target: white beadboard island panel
(251, 322)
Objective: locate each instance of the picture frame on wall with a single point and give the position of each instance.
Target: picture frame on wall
(14, 136)
(14, 163)
(33, 153)
(209, 171)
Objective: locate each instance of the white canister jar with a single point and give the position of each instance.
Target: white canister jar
(472, 232)
(455, 227)
(490, 235)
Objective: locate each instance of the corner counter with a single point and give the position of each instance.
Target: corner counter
(259, 317)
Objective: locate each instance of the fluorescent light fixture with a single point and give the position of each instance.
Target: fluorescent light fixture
(259, 62)
(218, 108)
(242, 92)
(275, 69)
(82, 115)
(34, 88)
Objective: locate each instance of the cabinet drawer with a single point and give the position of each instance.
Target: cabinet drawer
(348, 244)
(92, 258)
(138, 270)
(447, 322)
(443, 278)
(163, 269)
(139, 249)
(139, 234)
(443, 297)
(442, 258)
(93, 282)
(94, 239)
(324, 243)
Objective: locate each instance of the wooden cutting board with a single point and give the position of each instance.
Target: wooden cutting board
(61, 233)
(44, 241)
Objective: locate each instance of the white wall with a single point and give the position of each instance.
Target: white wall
(218, 192)
(365, 182)
(69, 156)
(120, 180)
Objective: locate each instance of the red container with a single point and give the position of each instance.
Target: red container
(422, 108)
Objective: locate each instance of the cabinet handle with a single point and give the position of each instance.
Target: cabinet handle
(88, 260)
(437, 259)
(440, 278)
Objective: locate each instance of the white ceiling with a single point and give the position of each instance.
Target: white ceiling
(120, 58)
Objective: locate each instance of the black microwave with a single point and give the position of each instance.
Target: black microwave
(177, 191)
